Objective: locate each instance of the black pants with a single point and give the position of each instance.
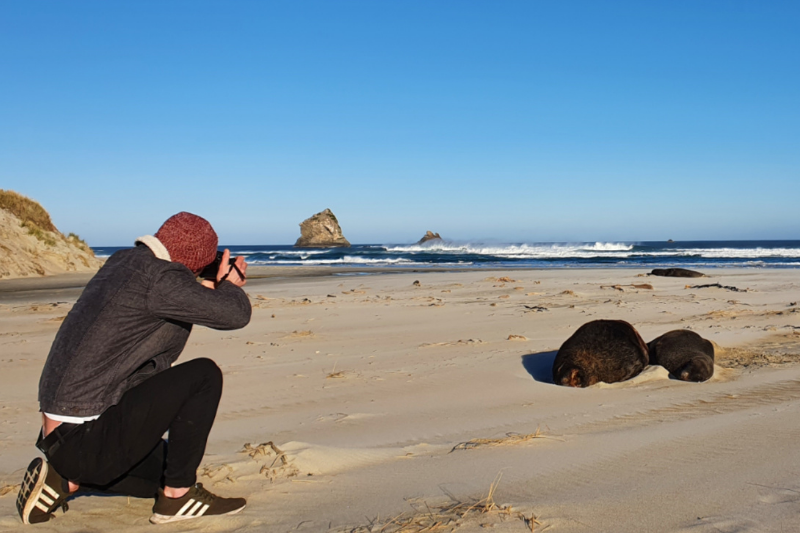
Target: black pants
(123, 452)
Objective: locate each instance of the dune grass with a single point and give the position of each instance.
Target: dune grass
(75, 240)
(509, 439)
(44, 236)
(36, 220)
(449, 517)
(29, 211)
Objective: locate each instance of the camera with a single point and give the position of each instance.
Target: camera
(210, 271)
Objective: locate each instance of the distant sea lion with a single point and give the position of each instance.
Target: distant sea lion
(686, 355)
(676, 273)
(600, 350)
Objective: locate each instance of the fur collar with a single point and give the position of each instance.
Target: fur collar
(155, 246)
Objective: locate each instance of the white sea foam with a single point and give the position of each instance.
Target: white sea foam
(518, 251)
(746, 253)
(301, 253)
(346, 260)
(590, 250)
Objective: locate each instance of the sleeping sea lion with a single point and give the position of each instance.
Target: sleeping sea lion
(686, 355)
(676, 273)
(601, 350)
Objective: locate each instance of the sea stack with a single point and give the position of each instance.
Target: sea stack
(430, 236)
(321, 231)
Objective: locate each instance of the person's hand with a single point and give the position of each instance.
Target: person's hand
(228, 272)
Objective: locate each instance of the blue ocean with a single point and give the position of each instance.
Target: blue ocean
(463, 255)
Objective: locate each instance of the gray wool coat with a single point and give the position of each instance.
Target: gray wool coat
(132, 321)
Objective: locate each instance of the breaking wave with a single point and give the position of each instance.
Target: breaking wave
(778, 254)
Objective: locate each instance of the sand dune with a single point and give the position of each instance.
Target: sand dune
(351, 400)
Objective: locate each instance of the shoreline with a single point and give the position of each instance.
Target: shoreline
(78, 280)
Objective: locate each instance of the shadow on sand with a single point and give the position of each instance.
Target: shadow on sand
(540, 365)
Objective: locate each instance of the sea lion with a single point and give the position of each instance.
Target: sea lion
(676, 273)
(685, 354)
(600, 350)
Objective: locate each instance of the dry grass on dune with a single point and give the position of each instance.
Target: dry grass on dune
(509, 439)
(754, 358)
(27, 210)
(448, 517)
(36, 220)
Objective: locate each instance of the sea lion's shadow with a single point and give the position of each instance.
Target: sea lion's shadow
(540, 365)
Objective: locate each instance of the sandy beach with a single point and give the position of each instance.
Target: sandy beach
(396, 400)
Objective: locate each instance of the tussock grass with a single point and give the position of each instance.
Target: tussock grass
(27, 210)
(36, 221)
(509, 439)
(758, 357)
(448, 517)
(44, 236)
(75, 240)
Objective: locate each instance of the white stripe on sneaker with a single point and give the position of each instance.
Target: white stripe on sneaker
(185, 507)
(43, 497)
(193, 510)
(52, 492)
(42, 506)
(203, 510)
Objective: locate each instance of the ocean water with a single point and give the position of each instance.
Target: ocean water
(687, 254)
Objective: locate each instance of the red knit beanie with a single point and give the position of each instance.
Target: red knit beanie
(189, 239)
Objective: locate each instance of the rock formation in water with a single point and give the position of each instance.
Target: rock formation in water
(321, 231)
(30, 245)
(429, 236)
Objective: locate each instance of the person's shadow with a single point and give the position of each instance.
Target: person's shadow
(540, 365)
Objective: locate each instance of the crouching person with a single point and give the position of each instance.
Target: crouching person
(109, 389)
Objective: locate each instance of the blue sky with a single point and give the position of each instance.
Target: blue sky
(507, 120)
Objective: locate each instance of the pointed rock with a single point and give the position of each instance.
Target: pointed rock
(429, 236)
(321, 231)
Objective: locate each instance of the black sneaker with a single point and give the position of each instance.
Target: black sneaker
(42, 492)
(194, 504)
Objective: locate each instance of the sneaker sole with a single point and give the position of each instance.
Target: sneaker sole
(31, 488)
(166, 519)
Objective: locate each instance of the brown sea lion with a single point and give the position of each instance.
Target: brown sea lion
(685, 354)
(601, 350)
(676, 273)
